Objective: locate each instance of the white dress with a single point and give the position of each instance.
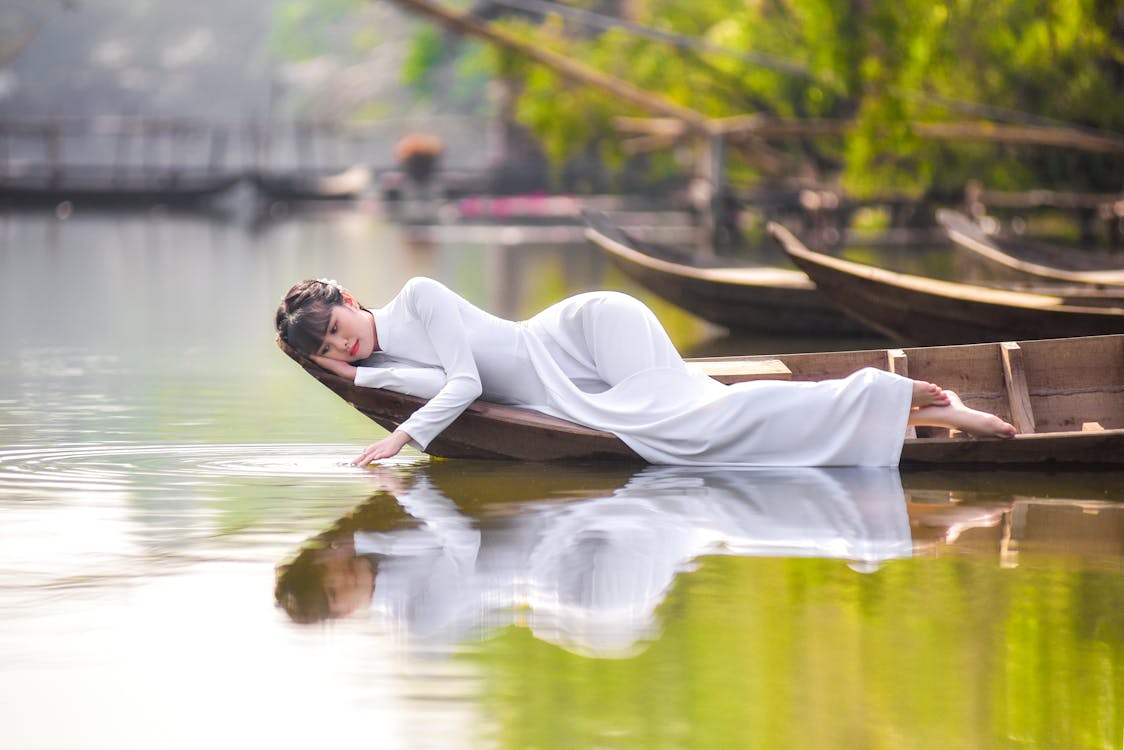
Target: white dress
(602, 359)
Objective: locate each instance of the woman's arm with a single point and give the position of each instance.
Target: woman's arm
(345, 370)
(437, 308)
(414, 381)
(450, 388)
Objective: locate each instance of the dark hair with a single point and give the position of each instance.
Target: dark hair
(305, 312)
(299, 583)
(299, 589)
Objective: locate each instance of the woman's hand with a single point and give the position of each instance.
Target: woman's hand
(385, 448)
(345, 370)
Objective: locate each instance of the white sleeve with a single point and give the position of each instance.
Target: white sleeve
(437, 308)
(443, 527)
(457, 533)
(422, 382)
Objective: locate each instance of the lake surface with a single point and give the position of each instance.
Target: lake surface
(161, 463)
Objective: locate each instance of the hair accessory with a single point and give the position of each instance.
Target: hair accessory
(329, 282)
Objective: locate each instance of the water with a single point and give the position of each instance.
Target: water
(159, 459)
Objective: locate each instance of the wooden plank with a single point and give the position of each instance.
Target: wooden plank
(740, 370)
(898, 363)
(832, 364)
(1071, 384)
(1014, 375)
(1040, 449)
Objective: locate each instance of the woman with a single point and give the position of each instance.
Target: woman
(603, 360)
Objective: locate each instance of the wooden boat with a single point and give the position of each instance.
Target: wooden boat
(917, 309)
(288, 187)
(1027, 261)
(111, 188)
(1066, 396)
(771, 300)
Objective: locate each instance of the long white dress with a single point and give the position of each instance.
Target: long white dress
(602, 359)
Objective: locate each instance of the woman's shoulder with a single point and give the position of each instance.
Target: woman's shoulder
(424, 285)
(421, 289)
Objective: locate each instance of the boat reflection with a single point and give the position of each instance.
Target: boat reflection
(587, 573)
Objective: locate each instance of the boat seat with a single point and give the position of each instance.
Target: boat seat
(740, 370)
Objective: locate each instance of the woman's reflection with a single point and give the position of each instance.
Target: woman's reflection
(586, 574)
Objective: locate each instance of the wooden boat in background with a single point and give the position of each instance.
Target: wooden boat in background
(743, 298)
(94, 187)
(1066, 396)
(345, 185)
(917, 309)
(1036, 262)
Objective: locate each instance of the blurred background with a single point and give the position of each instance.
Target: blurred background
(167, 170)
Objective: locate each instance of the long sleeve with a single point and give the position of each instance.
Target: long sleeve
(422, 382)
(437, 309)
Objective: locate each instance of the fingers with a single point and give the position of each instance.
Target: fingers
(373, 453)
(385, 448)
(376, 451)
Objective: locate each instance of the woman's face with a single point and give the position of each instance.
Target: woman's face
(350, 336)
(348, 584)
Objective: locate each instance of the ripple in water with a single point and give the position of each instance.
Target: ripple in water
(110, 466)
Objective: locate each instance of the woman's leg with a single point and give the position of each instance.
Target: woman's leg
(624, 337)
(958, 416)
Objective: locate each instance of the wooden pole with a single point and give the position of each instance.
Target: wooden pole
(742, 126)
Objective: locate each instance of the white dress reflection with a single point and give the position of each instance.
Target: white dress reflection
(588, 575)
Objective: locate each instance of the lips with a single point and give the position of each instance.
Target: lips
(354, 348)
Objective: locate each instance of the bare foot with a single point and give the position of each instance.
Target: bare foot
(928, 394)
(963, 418)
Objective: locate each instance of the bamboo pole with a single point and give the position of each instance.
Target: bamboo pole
(565, 67)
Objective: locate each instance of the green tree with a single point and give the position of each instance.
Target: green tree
(886, 65)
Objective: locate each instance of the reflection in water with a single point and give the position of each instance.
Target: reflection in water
(588, 574)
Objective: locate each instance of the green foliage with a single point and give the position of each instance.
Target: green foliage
(883, 65)
(886, 65)
(424, 54)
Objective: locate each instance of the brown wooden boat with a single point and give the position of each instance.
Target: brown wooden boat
(95, 187)
(1023, 260)
(743, 298)
(1066, 396)
(343, 185)
(921, 310)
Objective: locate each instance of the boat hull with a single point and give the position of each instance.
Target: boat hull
(1031, 262)
(762, 300)
(917, 310)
